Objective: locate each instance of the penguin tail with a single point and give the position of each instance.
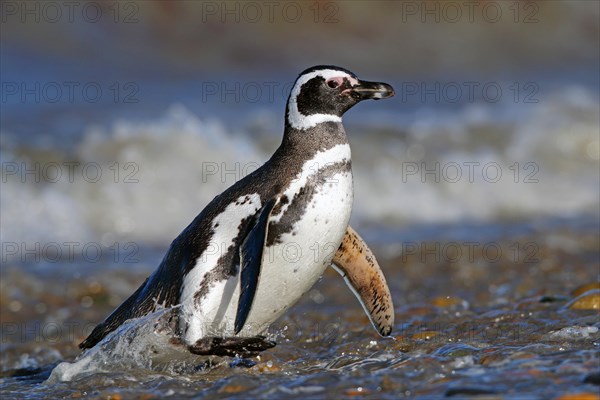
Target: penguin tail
(130, 308)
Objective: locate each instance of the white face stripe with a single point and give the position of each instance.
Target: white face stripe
(300, 121)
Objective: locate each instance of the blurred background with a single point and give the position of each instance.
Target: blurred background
(121, 121)
(477, 185)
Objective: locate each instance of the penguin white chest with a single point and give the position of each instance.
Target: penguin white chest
(303, 236)
(305, 230)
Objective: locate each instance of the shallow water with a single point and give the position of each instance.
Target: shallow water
(473, 324)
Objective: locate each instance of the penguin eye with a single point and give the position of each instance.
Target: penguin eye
(334, 82)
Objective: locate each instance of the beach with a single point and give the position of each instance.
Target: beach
(515, 318)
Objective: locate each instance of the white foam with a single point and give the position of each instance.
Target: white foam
(139, 343)
(173, 153)
(550, 141)
(175, 165)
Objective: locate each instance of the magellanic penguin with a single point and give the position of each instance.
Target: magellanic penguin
(265, 241)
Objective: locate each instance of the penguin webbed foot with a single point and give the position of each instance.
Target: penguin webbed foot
(243, 347)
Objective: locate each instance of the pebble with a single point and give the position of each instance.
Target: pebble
(593, 378)
(359, 391)
(268, 367)
(579, 396)
(232, 389)
(572, 333)
(425, 335)
(469, 391)
(447, 301)
(585, 288)
(589, 300)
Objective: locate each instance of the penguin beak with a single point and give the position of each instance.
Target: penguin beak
(371, 90)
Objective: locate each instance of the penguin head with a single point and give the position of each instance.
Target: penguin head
(324, 93)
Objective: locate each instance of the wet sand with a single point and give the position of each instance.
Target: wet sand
(468, 322)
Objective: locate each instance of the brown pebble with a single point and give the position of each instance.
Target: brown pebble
(579, 290)
(388, 384)
(232, 389)
(447, 301)
(589, 300)
(95, 287)
(579, 396)
(425, 335)
(264, 367)
(357, 392)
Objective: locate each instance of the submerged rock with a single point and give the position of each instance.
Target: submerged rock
(589, 300)
(573, 333)
(585, 288)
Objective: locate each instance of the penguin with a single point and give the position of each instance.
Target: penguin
(260, 245)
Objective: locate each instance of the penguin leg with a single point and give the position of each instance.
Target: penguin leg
(231, 346)
(251, 252)
(359, 268)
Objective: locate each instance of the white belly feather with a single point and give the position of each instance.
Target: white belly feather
(289, 268)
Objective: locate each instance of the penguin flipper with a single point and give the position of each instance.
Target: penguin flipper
(251, 252)
(359, 268)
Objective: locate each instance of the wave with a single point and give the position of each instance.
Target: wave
(147, 180)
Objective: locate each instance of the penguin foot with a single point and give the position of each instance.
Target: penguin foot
(231, 346)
